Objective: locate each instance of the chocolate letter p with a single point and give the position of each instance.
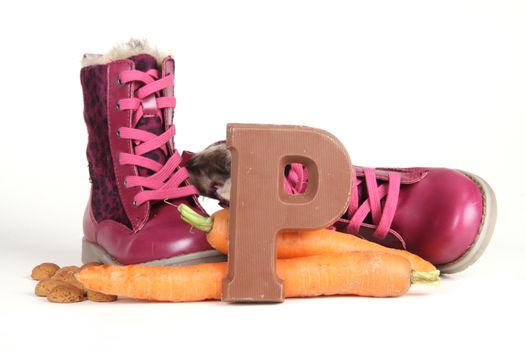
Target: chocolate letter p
(260, 207)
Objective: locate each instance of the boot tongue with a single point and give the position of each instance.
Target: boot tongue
(154, 125)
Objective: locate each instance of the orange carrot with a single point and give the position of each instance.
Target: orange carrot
(296, 244)
(374, 274)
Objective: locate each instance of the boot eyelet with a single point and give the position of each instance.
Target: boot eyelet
(117, 106)
(125, 183)
(135, 204)
(119, 82)
(118, 133)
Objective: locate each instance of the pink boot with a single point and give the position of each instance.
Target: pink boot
(137, 180)
(445, 216)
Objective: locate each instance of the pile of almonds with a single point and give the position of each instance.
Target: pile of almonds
(59, 285)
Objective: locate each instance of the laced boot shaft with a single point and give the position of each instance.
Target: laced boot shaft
(166, 180)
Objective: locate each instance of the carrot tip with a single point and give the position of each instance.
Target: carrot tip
(429, 278)
(195, 219)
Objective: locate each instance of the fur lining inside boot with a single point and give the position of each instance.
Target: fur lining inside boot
(122, 51)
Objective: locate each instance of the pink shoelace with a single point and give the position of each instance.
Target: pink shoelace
(166, 182)
(381, 215)
(296, 181)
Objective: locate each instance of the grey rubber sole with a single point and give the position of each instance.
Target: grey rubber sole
(488, 222)
(94, 253)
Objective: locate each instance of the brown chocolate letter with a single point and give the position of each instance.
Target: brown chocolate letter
(260, 207)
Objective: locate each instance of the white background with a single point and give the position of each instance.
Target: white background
(401, 83)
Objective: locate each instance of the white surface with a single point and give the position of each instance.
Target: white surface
(401, 83)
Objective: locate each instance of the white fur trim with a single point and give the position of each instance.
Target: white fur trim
(122, 51)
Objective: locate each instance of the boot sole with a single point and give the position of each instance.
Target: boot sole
(488, 222)
(92, 252)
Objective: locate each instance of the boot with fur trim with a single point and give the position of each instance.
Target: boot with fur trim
(137, 179)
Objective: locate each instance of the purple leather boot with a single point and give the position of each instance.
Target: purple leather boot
(443, 215)
(137, 180)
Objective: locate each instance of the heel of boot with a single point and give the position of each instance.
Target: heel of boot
(93, 253)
